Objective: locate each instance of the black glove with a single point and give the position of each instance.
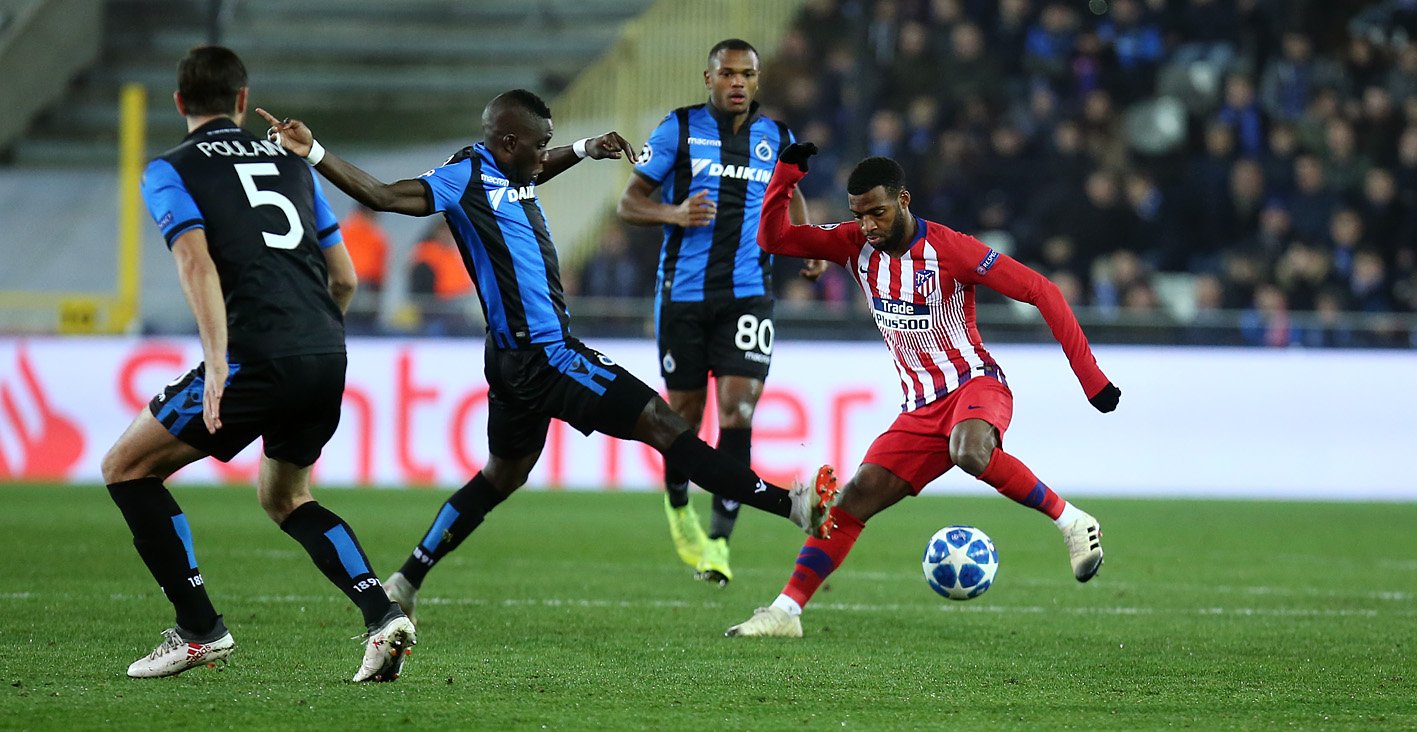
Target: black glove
(1106, 400)
(797, 154)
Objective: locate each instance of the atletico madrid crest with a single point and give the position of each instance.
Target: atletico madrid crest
(925, 283)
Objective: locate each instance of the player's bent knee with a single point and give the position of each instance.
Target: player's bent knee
(659, 425)
(121, 464)
(972, 459)
(509, 475)
(737, 416)
(279, 508)
(115, 467)
(688, 404)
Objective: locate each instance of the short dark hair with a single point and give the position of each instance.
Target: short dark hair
(873, 172)
(209, 78)
(732, 44)
(527, 100)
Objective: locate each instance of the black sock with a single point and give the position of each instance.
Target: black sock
(676, 486)
(459, 516)
(737, 443)
(331, 544)
(164, 541)
(724, 476)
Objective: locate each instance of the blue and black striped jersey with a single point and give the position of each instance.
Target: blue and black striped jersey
(266, 220)
(506, 246)
(695, 149)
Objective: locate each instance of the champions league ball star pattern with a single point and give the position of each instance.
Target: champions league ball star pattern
(960, 562)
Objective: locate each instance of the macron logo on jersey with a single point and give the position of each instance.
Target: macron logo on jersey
(719, 170)
(511, 195)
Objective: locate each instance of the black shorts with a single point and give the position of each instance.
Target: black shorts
(567, 380)
(291, 401)
(726, 337)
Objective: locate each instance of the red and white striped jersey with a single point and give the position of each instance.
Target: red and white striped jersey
(923, 300)
(926, 317)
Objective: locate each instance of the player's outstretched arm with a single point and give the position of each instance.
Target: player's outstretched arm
(607, 146)
(777, 234)
(406, 196)
(797, 212)
(202, 286)
(1011, 278)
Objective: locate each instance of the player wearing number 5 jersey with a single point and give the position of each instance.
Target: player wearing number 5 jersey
(920, 279)
(261, 262)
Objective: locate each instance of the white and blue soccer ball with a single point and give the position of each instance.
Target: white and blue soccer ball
(960, 562)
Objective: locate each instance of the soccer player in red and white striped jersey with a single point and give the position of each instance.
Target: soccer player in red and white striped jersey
(920, 278)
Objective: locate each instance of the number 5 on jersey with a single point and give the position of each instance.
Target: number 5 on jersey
(248, 172)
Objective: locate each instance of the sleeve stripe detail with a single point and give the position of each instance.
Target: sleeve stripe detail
(181, 228)
(327, 231)
(428, 194)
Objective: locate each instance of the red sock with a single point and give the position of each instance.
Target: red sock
(820, 557)
(1013, 479)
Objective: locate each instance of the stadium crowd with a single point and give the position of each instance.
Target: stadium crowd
(1176, 159)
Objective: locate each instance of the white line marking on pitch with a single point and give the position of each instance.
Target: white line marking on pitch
(1114, 584)
(571, 602)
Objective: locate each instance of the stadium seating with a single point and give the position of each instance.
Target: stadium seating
(410, 71)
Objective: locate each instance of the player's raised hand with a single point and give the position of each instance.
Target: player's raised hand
(1106, 399)
(797, 154)
(813, 268)
(291, 134)
(610, 145)
(696, 210)
(216, 373)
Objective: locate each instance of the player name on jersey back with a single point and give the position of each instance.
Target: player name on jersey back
(241, 149)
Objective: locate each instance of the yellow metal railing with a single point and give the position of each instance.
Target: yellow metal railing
(656, 65)
(132, 146)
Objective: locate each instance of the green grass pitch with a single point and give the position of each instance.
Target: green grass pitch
(570, 611)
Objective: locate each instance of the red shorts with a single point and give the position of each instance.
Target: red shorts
(916, 447)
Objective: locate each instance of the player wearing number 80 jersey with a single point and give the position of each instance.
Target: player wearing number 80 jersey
(713, 301)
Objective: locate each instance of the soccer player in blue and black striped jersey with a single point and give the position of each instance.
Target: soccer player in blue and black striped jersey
(268, 278)
(713, 297)
(536, 370)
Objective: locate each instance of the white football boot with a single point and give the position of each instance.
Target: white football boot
(177, 654)
(770, 622)
(1084, 539)
(385, 648)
